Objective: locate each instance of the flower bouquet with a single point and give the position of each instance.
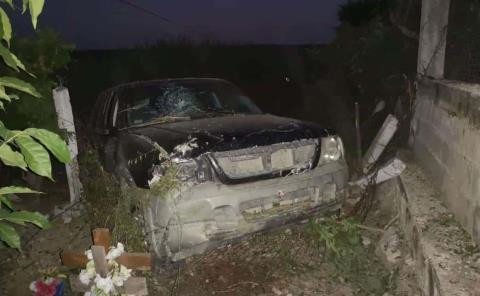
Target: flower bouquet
(116, 276)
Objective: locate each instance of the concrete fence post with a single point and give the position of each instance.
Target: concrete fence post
(433, 37)
(64, 112)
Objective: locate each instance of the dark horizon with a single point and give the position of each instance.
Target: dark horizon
(114, 24)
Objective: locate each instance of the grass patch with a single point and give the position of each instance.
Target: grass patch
(341, 243)
(110, 205)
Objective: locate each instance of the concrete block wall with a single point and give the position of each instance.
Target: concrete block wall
(437, 244)
(446, 141)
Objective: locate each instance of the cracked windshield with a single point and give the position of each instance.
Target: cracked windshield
(156, 103)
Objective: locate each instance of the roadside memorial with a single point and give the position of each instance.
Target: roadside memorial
(107, 269)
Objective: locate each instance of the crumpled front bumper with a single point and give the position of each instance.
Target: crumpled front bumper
(203, 216)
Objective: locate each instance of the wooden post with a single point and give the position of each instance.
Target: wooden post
(102, 237)
(101, 266)
(139, 261)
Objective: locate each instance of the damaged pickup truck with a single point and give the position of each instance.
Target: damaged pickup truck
(241, 171)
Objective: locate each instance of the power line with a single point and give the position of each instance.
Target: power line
(156, 14)
(147, 10)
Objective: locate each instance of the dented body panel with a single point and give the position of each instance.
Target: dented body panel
(212, 135)
(204, 216)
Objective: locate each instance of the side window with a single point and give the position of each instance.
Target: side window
(114, 113)
(107, 111)
(100, 115)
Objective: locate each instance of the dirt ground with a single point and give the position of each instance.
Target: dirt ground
(278, 263)
(40, 255)
(273, 264)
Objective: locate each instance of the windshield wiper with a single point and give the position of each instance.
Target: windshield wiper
(220, 111)
(163, 119)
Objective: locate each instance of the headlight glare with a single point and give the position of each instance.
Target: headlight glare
(331, 149)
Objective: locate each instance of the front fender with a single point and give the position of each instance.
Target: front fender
(135, 158)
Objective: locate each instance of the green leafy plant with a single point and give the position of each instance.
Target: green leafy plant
(46, 56)
(337, 237)
(341, 241)
(24, 149)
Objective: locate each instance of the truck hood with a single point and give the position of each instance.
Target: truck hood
(230, 132)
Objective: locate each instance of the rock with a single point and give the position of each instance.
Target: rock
(222, 279)
(276, 291)
(366, 241)
(409, 260)
(389, 248)
(66, 219)
(67, 212)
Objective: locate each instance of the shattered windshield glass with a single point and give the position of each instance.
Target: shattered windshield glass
(182, 100)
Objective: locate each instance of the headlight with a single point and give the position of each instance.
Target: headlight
(188, 170)
(332, 149)
(193, 170)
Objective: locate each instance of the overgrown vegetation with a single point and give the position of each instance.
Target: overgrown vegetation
(340, 241)
(372, 58)
(24, 149)
(117, 206)
(111, 205)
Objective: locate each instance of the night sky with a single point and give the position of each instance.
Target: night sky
(94, 24)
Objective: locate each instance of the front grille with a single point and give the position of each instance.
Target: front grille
(274, 160)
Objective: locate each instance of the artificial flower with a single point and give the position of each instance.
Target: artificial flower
(115, 252)
(44, 287)
(86, 275)
(121, 276)
(89, 254)
(104, 284)
(117, 274)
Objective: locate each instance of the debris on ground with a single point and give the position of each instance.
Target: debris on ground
(68, 211)
(393, 168)
(381, 141)
(389, 248)
(40, 255)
